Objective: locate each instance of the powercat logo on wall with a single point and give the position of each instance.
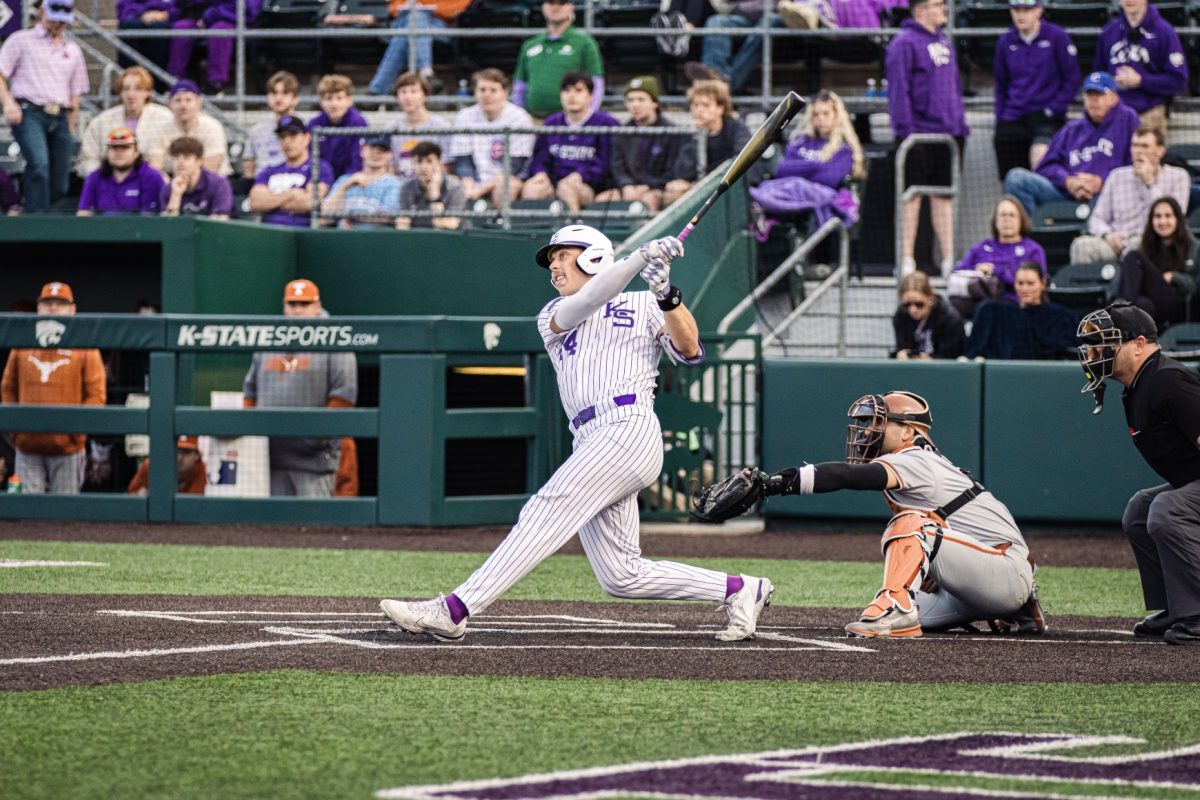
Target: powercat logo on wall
(836, 771)
(273, 336)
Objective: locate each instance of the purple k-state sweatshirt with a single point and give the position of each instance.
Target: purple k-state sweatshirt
(803, 159)
(1083, 146)
(1036, 77)
(1153, 50)
(589, 154)
(924, 95)
(342, 153)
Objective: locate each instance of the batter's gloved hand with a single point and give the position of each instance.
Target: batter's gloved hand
(657, 275)
(667, 248)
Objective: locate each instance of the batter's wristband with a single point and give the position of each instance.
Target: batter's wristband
(673, 299)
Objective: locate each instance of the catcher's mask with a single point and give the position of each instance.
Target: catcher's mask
(597, 249)
(869, 416)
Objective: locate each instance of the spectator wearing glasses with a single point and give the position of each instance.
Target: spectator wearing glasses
(926, 326)
(1142, 52)
(547, 58)
(124, 183)
(42, 75)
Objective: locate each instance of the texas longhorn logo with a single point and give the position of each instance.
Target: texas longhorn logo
(874, 769)
(49, 332)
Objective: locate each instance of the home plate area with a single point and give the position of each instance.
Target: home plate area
(53, 640)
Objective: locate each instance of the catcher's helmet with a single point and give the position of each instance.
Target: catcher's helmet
(597, 249)
(869, 415)
(1102, 332)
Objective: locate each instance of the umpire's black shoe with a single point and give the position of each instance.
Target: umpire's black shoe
(1184, 631)
(1153, 626)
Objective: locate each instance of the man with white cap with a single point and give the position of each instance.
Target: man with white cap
(42, 75)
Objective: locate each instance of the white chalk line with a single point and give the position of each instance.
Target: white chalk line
(172, 651)
(10, 563)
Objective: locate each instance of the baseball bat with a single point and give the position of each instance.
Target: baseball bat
(788, 108)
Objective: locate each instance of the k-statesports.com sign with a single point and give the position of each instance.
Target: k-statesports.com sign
(273, 336)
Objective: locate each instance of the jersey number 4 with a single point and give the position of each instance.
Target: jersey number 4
(571, 344)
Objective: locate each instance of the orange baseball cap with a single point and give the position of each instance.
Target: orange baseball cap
(188, 443)
(301, 291)
(121, 135)
(56, 290)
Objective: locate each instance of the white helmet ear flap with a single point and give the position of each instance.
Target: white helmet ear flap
(595, 258)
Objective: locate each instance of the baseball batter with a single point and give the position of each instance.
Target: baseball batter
(952, 552)
(605, 344)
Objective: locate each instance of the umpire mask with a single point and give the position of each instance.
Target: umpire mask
(869, 416)
(1101, 333)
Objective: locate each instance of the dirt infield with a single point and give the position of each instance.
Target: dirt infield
(815, 541)
(51, 641)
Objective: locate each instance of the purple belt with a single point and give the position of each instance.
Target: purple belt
(589, 413)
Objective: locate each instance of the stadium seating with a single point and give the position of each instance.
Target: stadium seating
(1055, 226)
(11, 160)
(354, 14)
(1181, 340)
(980, 51)
(298, 55)
(1084, 287)
(634, 54)
(478, 53)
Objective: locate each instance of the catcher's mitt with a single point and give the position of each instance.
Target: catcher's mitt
(730, 498)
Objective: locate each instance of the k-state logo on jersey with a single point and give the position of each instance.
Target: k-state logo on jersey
(49, 332)
(621, 317)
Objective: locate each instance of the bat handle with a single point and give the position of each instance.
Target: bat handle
(686, 232)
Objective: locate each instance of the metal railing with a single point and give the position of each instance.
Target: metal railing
(903, 195)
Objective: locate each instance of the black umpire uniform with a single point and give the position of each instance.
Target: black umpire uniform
(1162, 407)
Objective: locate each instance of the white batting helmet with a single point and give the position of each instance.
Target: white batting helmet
(597, 249)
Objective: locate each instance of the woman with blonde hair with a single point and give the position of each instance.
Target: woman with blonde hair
(926, 326)
(812, 174)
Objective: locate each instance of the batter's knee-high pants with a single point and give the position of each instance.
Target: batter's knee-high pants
(1163, 526)
(974, 582)
(594, 494)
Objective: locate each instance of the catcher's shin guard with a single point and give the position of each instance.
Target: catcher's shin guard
(904, 565)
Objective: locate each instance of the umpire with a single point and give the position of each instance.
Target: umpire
(1162, 407)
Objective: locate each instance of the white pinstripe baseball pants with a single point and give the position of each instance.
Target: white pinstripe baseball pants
(594, 494)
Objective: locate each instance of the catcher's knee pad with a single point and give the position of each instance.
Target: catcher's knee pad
(904, 560)
(909, 522)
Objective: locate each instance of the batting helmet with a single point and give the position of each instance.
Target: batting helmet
(597, 249)
(869, 415)
(1102, 332)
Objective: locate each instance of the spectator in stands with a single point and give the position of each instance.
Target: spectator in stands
(341, 152)
(548, 57)
(209, 15)
(412, 91)
(1032, 328)
(1142, 52)
(711, 106)
(302, 467)
(124, 183)
(1082, 153)
(431, 189)
(195, 190)
(145, 15)
(1123, 206)
(571, 166)
(718, 61)
(190, 472)
(10, 198)
(53, 462)
(413, 14)
(42, 75)
(926, 326)
(813, 14)
(284, 193)
(185, 104)
(1037, 72)
(812, 174)
(925, 96)
(993, 262)
(479, 158)
(262, 143)
(371, 196)
(136, 112)
(642, 165)
(1159, 277)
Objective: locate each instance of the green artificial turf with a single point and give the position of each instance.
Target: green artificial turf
(192, 570)
(331, 735)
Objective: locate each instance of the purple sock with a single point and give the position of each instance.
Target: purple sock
(733, 585)
(458, 611)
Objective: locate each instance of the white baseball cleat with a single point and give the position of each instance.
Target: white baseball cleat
(425, 616)
(892, 622)
(744, 608)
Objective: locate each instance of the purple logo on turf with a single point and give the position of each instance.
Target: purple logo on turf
(820, 772)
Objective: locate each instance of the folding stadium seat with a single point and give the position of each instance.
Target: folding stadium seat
(1055, 225)
(634, 53)
(980, 51)
(294, 54)
(1181, 340)
(1084, 287)
(11, 159)
(1081, 14)
(1194, 222)
(492, 51)
(617, 228)
(355, 14)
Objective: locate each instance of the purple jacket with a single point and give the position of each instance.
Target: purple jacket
(558, 155)
(214, 11)
(133, 9)
(1034, 78)
(1005, 258)
(924, 95)
(802, 159)
(1153, 50)
(1083, 146)
(341, 153)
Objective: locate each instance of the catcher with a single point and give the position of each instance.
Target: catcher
(952, 552)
